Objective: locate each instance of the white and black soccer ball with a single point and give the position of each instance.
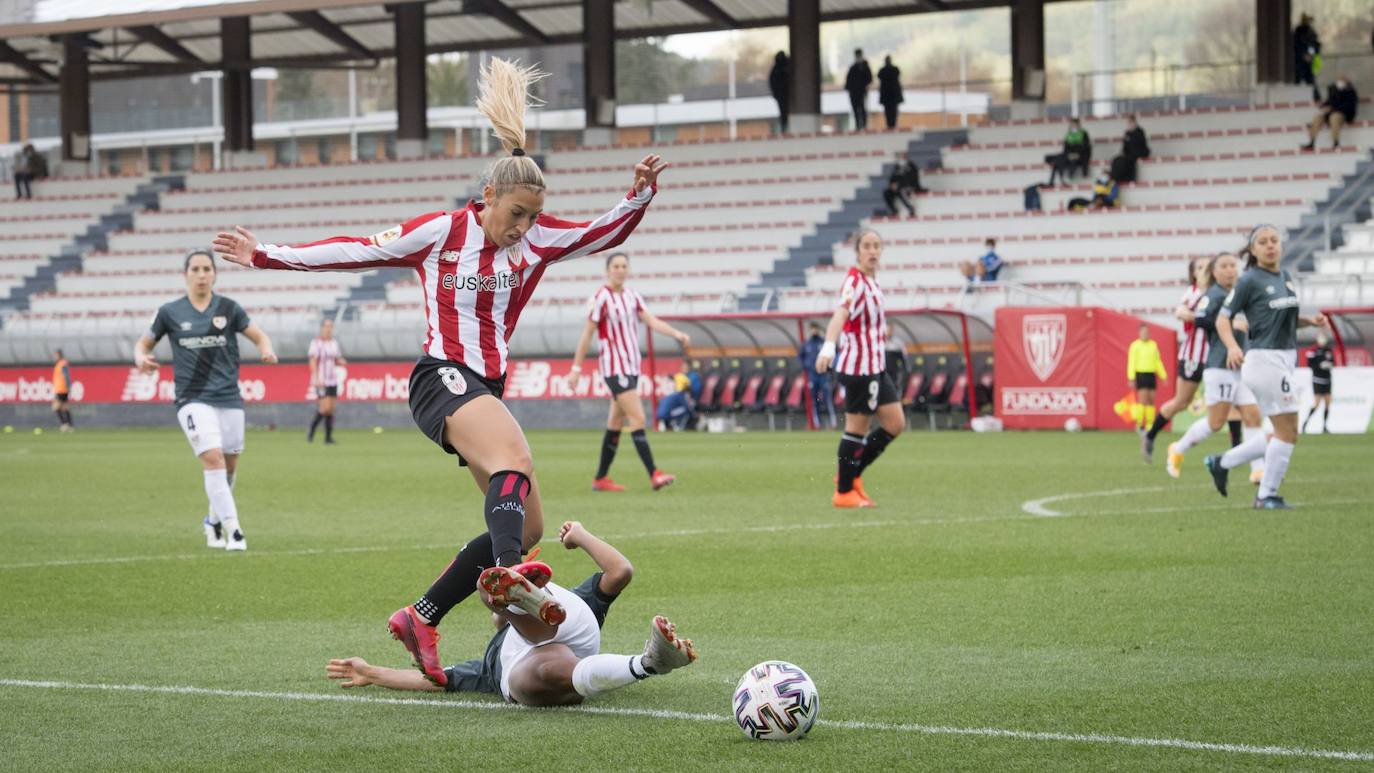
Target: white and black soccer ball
(1072, 425)
(776, 701)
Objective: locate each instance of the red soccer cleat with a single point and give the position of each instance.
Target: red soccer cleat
(422, 640)
(508, 587)
(859, 489)
(537, 572)
(606, 484)
(661, 479)
(849, 499)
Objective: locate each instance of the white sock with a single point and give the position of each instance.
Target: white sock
(221, 498)
(1250, 449)
(229, 476)
(1275, 466)
(1197, 432)
(1248, 434)
(600, 674)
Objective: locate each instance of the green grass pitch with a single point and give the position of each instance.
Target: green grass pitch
(1156, 628)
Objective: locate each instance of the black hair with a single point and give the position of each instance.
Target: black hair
(58, 352)
(186, 264)
(1212, 266)
(615, 255)
(1251, 259)
(989, 242)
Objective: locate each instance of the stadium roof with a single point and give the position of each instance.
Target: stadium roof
(132, 38)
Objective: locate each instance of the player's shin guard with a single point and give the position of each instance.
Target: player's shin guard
(221, 499)
(1250, 449)
(457, 581)
(642, 446)
(1157, 426)
(1237, 433)
(1276, 458)
(599, 674)
(506, 492)
(1197, 432)
(851, 455)
(1256, 434)
(610, 443)
(874, 445)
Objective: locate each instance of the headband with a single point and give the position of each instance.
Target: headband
(1259, 228)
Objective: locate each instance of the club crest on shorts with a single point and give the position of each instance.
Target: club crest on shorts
(219, 322)
(1042, 339)
(453, 381)
(624, 382)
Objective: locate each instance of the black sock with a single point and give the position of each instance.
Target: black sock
(874, 445)
(1326, 417)
(457, 581)
(642, 446)
(1155, 429)
(1309, 418)
(610, 442)
(506, 492)
(851, 458)
(329, 427)
(1234, 425)
(314, 424)
(67, 417)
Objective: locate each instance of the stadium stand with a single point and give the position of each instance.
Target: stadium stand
(1214, 173)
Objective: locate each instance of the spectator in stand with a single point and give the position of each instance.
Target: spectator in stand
(1105, 193)
(1307, 52)
(26, 163)
(890, 91)
(821, 404)
(905, 179)
(780, 83)
(986, 268)
(1076, 155)
(1134, 147)
(1337, 111)
(856, 82)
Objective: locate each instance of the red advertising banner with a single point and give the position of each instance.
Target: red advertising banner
(1054, 364)
(364, 381)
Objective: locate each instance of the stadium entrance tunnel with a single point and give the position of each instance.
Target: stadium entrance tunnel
(748, 368)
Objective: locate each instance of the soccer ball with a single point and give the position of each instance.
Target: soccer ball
(776, 701)
(1072, 425)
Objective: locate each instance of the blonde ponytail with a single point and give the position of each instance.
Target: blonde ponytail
(503, 97)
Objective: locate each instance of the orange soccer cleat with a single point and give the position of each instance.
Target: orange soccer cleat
(606, 484)
(510, 588)
(849, 499)
(859, 489)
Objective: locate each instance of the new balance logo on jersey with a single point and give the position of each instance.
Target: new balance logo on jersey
(506, 280)
(203, 342)
(450, 256)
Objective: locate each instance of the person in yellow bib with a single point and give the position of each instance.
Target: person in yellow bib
(1144, 370)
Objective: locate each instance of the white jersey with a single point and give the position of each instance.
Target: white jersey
(617, 330)
(326, 355)
(579, 632)
(474, 291)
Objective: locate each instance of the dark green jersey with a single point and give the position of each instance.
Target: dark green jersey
(1269, 302)
(205, 349)
(1208, 309)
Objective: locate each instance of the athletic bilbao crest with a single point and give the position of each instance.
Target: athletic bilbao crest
(1042, 338)
(219, 322)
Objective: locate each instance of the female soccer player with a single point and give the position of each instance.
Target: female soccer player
(614, 314)
(1266, 296)
(532, 664)
(478, 268)
(1144, 369)
(1225, 391)
(1191, 355)
(203, 327)
(1319, 360)
(860, 364)
(325, 357)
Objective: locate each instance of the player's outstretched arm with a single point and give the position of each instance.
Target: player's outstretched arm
(261, 340)
(659, 326)
(563, 240)
(356, 672)
(616, 570)
(405, 245)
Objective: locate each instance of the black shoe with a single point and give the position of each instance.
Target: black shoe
(310, 437)
(1271, 503)
(1309, 146)
(1147, 447)
(331, 442)
(1219, 473)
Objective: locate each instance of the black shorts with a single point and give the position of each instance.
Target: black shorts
(620, 384)
(1318, 388)
(1146, 381)
(1191, 371)
(330, 391)
(863, 394)
(483, 674)
(438, 388)
(61, 397)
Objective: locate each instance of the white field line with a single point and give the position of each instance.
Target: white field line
(917, 729)
(1037, 506)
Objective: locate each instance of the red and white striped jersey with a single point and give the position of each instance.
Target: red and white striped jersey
(326, 355)
(616, 315)
(473, 290)
(864, 337)
(1193, 350)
